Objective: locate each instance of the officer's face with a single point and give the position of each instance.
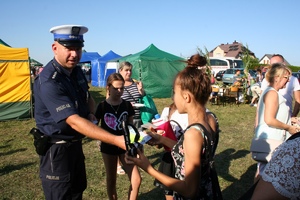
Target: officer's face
(68, 57)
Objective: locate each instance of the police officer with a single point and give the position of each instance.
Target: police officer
(64, 112)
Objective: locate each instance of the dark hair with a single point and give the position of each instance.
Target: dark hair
(196, 60)
(278, 55)
(194, 79)
(114, 77)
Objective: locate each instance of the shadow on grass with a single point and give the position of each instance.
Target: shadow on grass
(12, 152)
(6, 144)
(241, 185)
(10, 168)
(223, 160)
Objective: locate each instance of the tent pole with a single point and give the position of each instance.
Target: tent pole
(140, 71)
(31, 89)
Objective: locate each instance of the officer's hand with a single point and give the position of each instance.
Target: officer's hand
(92, 118)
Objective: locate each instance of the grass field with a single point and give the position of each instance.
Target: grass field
(19, 163)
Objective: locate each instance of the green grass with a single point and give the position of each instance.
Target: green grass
(19, 165)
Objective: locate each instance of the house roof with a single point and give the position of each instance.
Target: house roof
(232, 50)
(269, 56)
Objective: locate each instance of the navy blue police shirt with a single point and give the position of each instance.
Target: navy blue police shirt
(59, 94)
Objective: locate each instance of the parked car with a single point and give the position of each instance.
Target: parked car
(219, 75)
(229, 73)
(297, 75)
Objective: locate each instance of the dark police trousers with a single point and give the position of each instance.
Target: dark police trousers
(62, 171)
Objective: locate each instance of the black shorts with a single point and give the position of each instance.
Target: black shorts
(111, 149)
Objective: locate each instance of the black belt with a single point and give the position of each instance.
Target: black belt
(60, 141)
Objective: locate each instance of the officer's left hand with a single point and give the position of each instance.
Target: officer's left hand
(92, 118)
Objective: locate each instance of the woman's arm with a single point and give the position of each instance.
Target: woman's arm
(140, 88)
(261, 194)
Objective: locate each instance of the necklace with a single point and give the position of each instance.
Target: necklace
(116, 111)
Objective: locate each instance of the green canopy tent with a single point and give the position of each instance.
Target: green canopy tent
(4, 43)
(156, 69)
(35, 63)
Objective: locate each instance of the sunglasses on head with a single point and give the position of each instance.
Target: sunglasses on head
(121, 88)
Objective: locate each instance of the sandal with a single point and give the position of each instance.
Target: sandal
(120, 170)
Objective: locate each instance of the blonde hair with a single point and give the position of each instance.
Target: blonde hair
(277, 69)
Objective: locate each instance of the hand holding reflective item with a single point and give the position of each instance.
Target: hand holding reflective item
(131, 133)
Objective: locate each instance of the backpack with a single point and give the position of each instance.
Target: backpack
(216, 133)
(209, 155)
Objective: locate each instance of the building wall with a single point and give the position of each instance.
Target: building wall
(218, 52)
(264, 60)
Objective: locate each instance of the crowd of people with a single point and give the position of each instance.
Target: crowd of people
(65, 113)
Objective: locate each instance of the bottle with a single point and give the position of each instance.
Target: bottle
(157, 121)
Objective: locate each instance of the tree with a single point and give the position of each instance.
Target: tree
(249, 61)
(206, 55)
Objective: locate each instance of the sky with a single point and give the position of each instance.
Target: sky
(175, 26)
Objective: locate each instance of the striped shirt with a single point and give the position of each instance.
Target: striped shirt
(132, 95)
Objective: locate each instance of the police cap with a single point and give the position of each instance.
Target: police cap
(69, 35)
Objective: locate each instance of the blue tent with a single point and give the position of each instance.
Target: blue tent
(92, 58)
(102, 73)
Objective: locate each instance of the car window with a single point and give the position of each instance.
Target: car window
(229, 71)
(232, 71)
(218, 62)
